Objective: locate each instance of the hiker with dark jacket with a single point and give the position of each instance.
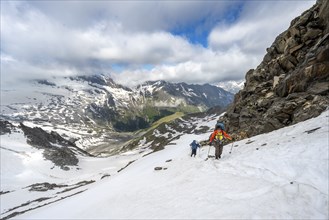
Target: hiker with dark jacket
(217, 139)
(194, 145)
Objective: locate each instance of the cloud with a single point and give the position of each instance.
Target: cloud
(133, 15)
(42, 39)
(258, 25)
(234, 48)
(205, 67)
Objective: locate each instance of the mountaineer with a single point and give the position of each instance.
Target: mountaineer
(194, 146)
(217, 139)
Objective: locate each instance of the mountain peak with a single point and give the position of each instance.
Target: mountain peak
(232, 86)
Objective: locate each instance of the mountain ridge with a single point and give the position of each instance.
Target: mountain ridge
(291, 84)
(93, 110)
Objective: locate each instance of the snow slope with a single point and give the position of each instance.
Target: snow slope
(26, 175)
(279, 175)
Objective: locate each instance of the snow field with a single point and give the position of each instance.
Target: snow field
(279, 175)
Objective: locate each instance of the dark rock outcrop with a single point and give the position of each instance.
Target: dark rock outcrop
(5, 127)
(292, 82)
(61, 152)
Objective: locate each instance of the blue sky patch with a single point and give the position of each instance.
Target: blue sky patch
(198, 32)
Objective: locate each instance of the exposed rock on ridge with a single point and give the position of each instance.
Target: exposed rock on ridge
(61, 152)
(292, 82)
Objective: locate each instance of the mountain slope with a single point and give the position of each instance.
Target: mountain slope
(97, 114)
(40, 168)
(291, 84)
(282, 174)
(200, 96)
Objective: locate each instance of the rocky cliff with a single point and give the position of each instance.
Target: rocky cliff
(291, 84)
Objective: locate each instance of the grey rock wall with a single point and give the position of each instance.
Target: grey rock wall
(291, 84)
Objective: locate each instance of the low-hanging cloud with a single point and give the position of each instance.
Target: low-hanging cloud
(44, 39)
(206, 67)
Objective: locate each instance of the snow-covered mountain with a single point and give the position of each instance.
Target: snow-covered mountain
(278, 175)
(201, 96)
(232, 86)
(93, 111)
(78, 108)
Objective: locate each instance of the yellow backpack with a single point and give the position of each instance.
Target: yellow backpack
(219, 136)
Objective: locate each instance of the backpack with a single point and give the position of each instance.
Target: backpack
(219, 136)
(220, 125)
(194, 145)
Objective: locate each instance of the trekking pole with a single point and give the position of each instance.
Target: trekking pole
(208, 151)
(231, 147)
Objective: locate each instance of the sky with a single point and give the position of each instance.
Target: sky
(135, 41)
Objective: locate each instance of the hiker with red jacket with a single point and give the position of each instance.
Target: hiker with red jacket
(217, 139)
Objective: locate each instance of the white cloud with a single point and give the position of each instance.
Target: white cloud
(41, 39)
(205, 67)
(257, 27)
(133, 15)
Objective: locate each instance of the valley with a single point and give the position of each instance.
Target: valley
(99, 115)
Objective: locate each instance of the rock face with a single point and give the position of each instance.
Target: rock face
(292, 82)
(61, 152)
(5, 127)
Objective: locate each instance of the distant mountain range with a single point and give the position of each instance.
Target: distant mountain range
(93, 106)
(165, 94)
(232, 86)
